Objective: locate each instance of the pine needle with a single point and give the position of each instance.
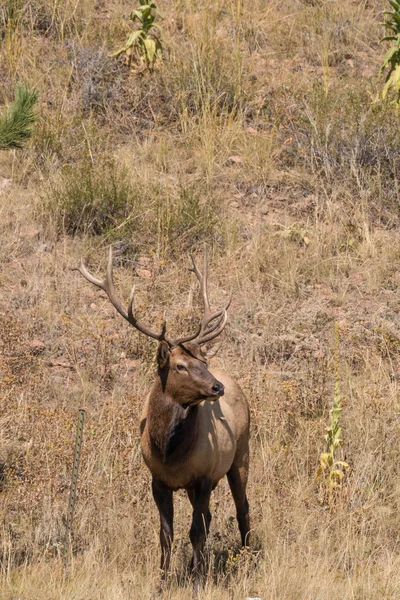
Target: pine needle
(17, 121)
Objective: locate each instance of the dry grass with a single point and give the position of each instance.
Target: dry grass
(261, 134)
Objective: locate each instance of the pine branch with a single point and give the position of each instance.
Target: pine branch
(17, 121)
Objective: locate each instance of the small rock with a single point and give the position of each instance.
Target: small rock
(144, 273)
(43, 247)
(234, 204)
(264, 209)
(120, 248)
(4, 183)
(93, 306)
(234, 160)
(30, 233)
(342, 324)
(144, 261)
(37, 347)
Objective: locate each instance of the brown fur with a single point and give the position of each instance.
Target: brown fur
(191, 437)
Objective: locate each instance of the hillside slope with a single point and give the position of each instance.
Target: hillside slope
(261, 134)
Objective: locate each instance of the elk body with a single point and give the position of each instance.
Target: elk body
(194, 427)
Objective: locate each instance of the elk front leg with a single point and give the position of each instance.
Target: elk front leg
(191, 496)
(163, 498)
(200, 498)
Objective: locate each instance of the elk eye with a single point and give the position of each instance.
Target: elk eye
(181, 367)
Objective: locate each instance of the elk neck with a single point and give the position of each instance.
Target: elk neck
(172, 427)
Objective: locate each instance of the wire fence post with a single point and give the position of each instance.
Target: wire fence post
(74, 481)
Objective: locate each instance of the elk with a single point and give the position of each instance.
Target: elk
(195, 423)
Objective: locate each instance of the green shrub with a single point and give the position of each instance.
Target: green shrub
(17, 121)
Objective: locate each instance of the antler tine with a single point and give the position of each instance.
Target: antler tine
(213, 316)
(202, 278)
(188, 338)
(218, 318)
(107, 285)
(140, 327)
(213, 333)
(205, 279)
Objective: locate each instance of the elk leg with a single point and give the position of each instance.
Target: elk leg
(191, 495)
(237, 478)
(162, 495)
(200, 525)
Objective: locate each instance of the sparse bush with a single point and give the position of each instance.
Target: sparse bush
(342, 137)
(97, 79)
(199, 83)
(188, 218)
(101, 200)
(90, 199)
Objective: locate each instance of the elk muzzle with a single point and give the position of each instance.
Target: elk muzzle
(217, 389)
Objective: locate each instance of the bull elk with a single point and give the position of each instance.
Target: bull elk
(195, 423)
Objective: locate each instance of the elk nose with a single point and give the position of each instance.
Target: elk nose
(218, 389)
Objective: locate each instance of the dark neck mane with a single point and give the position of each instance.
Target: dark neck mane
(172, 427)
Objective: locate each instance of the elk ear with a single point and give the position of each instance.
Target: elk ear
(162, 354)
(208, 353)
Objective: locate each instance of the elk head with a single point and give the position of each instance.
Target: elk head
(184, 374)
(182, 362)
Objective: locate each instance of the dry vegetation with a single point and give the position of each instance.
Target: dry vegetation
(261, 133)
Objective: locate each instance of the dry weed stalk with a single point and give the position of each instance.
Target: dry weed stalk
(332, 470)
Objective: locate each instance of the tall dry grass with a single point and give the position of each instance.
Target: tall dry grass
(260, 134)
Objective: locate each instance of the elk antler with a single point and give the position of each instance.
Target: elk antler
(107, 285)
(212, 324)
